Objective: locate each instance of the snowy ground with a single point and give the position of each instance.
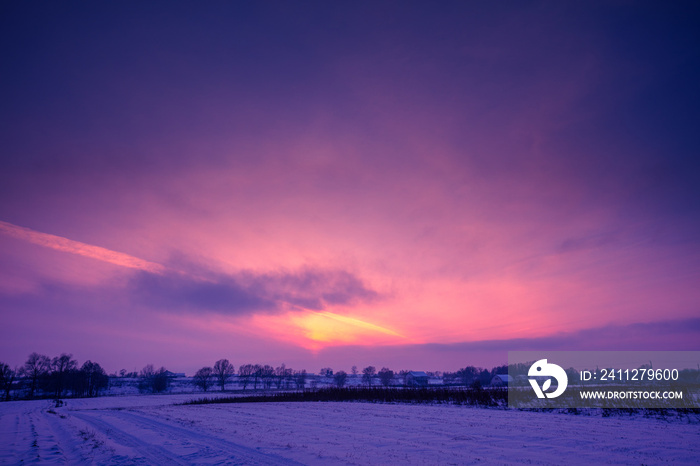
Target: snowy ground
(151, 430)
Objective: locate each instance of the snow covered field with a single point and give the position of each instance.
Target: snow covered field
(149, 429)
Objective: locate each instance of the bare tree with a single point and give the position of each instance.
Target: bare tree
(267, 374)
(145, 377)
(245, 372)
(223, 371)
(60, 367)
(353, 369)
(37, 366)
(468, 375)
(7, 378)
(90, 379)
(152, 380)
(367, 374)
(202, 378)
(326, 372)
(340, 378)
(300, 379)
(282, 374)
(386, 376)
(257, 374)
(161, 381)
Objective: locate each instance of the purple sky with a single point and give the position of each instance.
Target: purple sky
(423, 186)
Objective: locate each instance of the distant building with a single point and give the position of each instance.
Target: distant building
(416, 379)
(501, 380)
(174, 374)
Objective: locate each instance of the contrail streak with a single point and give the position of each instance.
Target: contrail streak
(76, 247)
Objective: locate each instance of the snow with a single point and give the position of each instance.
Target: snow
(150, 429)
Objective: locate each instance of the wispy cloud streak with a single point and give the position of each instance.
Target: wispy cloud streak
(82, 249)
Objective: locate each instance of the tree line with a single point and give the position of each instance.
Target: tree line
(61, 376)
(280, 377)
(52, 377)
(249, 374)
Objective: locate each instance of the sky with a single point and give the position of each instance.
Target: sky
(405, 184)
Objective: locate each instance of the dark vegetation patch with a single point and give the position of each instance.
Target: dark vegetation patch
(494, 397)
(487, 398)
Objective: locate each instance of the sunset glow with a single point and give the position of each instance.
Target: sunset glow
(325, 328)
(386, 184)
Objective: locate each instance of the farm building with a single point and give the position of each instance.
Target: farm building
(416, 379)
(501, 380)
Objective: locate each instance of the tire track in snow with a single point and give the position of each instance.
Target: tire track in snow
(27, 440)
(177, 444)
(70, 446)
(148, 453)
(50, 440)
(232, 450)
(10, 433)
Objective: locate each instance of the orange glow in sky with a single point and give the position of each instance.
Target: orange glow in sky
(316, 330)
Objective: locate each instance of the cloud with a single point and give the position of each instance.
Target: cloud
(249, 292)
(82, 249)
(181, 292)
(679, 335)
(313, 289)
